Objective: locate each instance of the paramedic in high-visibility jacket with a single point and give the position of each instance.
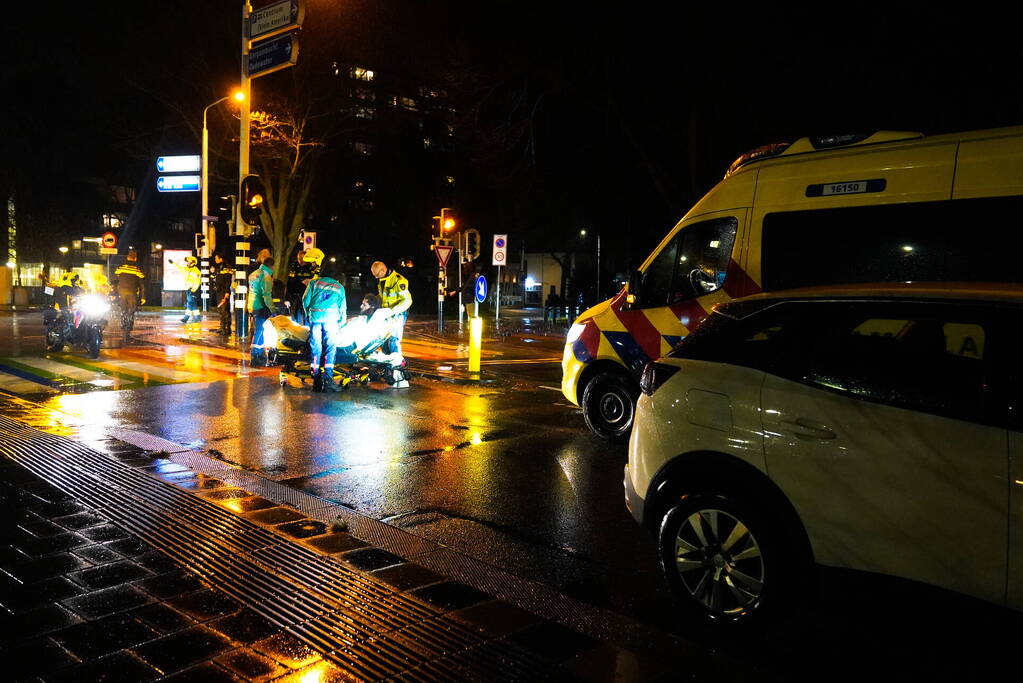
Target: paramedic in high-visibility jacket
(326, 310)
(394, 296)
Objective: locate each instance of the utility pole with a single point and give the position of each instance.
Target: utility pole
(241, 260)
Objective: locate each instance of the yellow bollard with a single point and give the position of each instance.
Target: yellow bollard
(475, 342)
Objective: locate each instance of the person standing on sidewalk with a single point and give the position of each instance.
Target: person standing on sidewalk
(223, 280)
(260, 306)
(326, 309)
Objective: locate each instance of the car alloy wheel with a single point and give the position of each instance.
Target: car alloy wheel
(719, 562)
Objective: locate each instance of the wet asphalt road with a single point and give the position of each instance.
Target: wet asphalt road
(507, 473)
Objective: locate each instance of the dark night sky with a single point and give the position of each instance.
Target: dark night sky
(633, 110)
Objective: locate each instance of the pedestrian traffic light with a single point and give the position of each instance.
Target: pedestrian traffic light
(472, 245)
(253, 197)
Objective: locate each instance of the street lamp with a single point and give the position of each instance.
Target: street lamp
(238, 96)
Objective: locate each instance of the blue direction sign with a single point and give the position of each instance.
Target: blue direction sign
(275, 19)
(481, 289)
(178, 183)
(273, 55)
(180, 164)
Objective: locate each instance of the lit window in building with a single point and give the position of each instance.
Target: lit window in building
(364, 112)
(408, 103)
(361, 74)
(426, 143)
(111, 221)
(427, 92)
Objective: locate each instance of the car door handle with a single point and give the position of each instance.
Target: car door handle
(805, 429)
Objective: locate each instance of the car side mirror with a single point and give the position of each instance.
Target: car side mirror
(635, 281)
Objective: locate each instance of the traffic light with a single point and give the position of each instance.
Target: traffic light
(253, 197)
(447, 222)
(472, 245)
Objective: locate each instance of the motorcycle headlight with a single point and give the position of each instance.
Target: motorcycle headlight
(574, 332)
(93, 305)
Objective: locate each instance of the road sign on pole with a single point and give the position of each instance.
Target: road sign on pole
(443, 252)
(275, 19)
(272, 55)
(178, 183)
(191, 163)
(108, 240)
(500, 250)
(308, 239)
(481, 289)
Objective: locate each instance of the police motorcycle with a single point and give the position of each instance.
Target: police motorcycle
(80, 321)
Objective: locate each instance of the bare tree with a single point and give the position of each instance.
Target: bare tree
(284, 155)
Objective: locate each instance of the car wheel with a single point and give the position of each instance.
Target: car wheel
(726, 562)
(609, 405)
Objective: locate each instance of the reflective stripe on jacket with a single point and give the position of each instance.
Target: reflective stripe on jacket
(324, 301)
(394, 294)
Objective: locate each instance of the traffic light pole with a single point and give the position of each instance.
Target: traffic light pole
(241, 255)
(461, 254)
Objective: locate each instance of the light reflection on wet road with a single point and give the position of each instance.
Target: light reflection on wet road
(507, 476)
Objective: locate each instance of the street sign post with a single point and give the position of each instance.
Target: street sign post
(500, 259)
(308, 239)
(275, 19)
(108, 240)
(178, 183)
(191, 163)
(500, 250)
(272, 55)
(443, 252)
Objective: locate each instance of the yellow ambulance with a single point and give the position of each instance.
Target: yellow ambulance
(885, 207)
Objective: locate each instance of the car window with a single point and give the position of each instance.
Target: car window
(927, 357)
(763, 340)
(930, 358)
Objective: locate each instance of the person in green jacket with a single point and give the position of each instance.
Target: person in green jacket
(325, 309)
(261, 306)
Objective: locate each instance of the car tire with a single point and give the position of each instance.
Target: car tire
(609, 405)
(730, 562)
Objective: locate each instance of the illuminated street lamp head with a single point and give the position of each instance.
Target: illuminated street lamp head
(62, 250)
(12, 264)
(582, 233)
(238, 96)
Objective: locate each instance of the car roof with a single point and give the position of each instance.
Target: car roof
(964, 292)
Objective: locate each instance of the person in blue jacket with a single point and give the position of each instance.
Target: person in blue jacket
(326, 310)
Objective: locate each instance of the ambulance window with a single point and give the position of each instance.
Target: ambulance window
(657, 278)
(703, 257)
(962, 240)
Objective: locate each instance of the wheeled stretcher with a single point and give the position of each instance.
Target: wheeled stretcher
(362, 350)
